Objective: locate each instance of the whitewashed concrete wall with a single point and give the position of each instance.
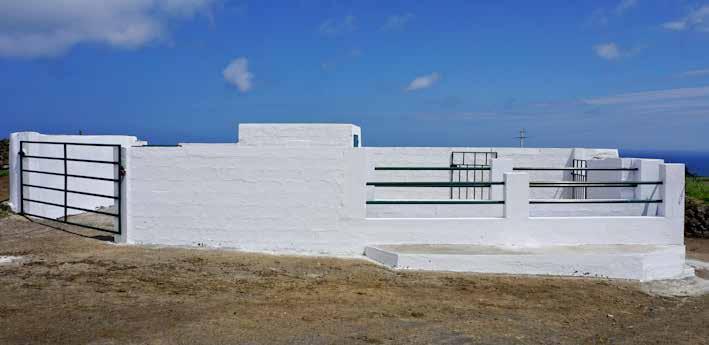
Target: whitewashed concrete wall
(76, 168)
(244, 197)
(298, 135)
(312, 200)
(232, 198)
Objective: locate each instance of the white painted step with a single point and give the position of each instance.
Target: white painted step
(637, 262)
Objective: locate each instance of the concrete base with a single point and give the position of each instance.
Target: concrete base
(637, 262)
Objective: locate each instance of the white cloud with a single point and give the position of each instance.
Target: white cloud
(625, 5)
(697, 19)
(237, 74)
(675, 26)
(695, 73)
(37, 28)
(650, 96)
(334, 27)
(423, 82)
(608, 51)
(398, 21)
(602, 16)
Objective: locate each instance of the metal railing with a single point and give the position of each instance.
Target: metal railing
(532, 184)
(572, 169)
(117, 163)
(580, 171)
(434, 185)
(595, 201)
(432, 168)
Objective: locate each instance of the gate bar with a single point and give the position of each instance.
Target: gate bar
(71, 207)
(70, 175)
(66, 185)
(22, 187)
(72, 223)
(62, 143)
(72, 191)
(72, 159)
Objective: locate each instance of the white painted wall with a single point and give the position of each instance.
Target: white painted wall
(236, 196)
(232, 198)
(311, 199)
(298, 135)
(77, 168)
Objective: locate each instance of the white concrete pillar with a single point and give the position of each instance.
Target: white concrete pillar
(14, 171)
(672, 192)
(648, 170)
(355, 191)
(516, 195)
(14, 167)
(498, 168)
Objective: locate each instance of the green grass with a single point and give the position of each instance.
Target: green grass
(3, 172)
(698, 188)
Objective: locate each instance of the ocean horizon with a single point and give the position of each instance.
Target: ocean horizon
(697, 162)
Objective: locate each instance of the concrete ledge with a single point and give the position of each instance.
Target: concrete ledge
(636, 262)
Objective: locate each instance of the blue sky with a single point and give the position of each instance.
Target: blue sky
(628, 74)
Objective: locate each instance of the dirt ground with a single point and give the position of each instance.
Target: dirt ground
(70, 287)
(697, 248)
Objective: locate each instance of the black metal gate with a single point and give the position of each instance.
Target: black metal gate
(579, 176)
(26, 159)
(468, 166)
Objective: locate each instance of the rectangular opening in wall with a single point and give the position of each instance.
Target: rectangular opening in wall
(356, 140)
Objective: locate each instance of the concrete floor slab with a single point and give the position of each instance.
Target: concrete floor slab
(637, 262)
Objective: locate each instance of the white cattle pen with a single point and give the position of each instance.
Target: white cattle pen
(315, 189)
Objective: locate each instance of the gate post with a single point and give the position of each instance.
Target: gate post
(124, 190)
(14, 170)
(672, 191)
(516, 196)
(498, 168)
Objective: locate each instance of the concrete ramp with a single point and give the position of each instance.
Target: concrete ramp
(637, 262)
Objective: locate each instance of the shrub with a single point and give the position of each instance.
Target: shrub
(696, 218)
(4, 157)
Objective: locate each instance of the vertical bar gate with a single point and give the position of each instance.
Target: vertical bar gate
(470, 160)
(579, 176)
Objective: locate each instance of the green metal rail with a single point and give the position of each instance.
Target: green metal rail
(554, 184)
(595, 201)
(433, 184)
(435, 202)
(433, 168)
(574, 169)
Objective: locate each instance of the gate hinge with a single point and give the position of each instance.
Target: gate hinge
(121, 172)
